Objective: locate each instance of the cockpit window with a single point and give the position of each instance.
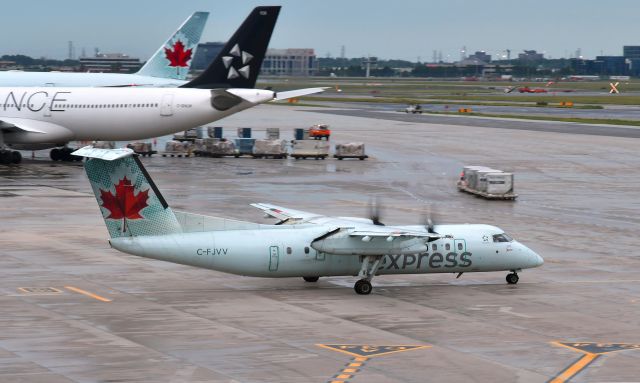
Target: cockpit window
(502, 238)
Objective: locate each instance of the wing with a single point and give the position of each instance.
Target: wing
(284, 214)
(395, 233)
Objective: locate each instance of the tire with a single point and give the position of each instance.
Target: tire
(363, 287)
(512, 278)
(16, 158)
(55, 154)
(5, 157)
(66, 156)
(311, 279)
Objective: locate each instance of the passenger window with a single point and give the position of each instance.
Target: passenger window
(288, 250)
(306, 250)
(434, 247)
(447, 246)
(459, 246)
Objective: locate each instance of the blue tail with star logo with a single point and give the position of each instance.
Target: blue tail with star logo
(238, 63)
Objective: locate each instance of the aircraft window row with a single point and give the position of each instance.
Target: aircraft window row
(447, 246)
(84, 106)
(502, 238)
(101, 106)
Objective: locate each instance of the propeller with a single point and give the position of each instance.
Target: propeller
(375, 211)
(429, 219)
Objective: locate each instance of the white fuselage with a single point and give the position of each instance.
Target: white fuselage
(286, 251)
(74, 79)
(59, 115)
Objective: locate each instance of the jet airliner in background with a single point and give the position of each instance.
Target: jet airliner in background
(40, 118)
(161, 70)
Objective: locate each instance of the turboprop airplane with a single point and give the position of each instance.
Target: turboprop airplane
(168, 67)
(301, 244)
(40, 118)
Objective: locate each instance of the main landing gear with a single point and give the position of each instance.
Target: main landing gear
(370, 266)
(311, 279)
(512, 278)
(63, 154)
(8, 157)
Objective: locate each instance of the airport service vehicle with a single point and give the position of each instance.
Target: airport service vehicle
(168, 67)
(301, 244)
(40, 118)
(413, 109)
(320, 131)
(526, 89)
(486, 182)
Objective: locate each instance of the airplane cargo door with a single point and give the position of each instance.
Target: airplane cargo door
(166, 107)
(274, 258)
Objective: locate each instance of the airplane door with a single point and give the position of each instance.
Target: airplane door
(166, 107)
(274, 258)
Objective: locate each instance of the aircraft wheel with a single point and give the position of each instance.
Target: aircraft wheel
(512, 278)
(16, 157)
(311, 279)
(5, 157)
(363, 287)
(55, 154)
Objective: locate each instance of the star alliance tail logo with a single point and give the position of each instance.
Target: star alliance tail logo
(245, 57)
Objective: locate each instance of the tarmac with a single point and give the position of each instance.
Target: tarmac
(74, 310)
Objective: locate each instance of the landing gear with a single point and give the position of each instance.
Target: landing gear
(63, 154)
(363, 287)
(311, 279)
(512, 278)
(370, 266)
(8, 157)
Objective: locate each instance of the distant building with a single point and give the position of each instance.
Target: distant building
(530, 56)
(480, 55)
(110, 63)
(7, 64)
(205, 53)
(290, 62)
(611, 65)
(631, 51)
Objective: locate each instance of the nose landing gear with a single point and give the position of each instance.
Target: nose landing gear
(370, 266)
(512, 278)
(63, 154)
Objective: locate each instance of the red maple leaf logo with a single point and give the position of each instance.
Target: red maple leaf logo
(124, 205)
(178, 57)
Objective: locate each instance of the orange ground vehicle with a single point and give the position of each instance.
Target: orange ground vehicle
(319, 132)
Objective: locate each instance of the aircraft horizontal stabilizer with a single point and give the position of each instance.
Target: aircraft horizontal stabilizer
(103, 154)
(297, 93)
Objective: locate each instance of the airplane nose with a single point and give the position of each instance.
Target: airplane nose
(535, 259)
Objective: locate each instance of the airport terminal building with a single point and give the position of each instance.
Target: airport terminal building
(290, 62)
(110, 63)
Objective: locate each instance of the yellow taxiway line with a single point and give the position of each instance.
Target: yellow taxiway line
(91, 295)
(575, 368)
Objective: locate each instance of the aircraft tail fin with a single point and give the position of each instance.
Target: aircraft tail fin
(129, 200)
(239, 62)
(173, 59)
